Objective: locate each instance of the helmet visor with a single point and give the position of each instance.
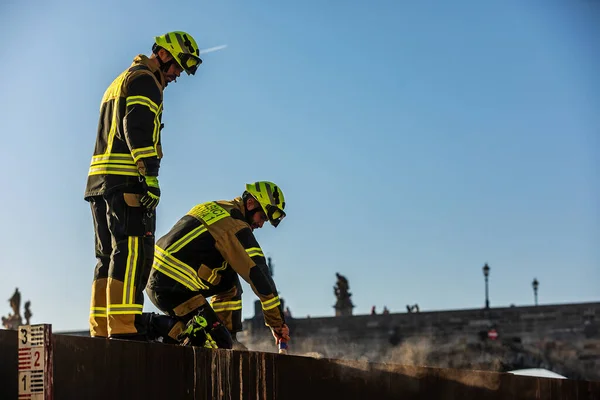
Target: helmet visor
(275, 215)
(189, 62)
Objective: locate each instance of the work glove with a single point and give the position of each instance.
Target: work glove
(281, 334)
(151, 198)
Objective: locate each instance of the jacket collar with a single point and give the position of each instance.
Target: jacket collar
(239, 204)
(143, 60)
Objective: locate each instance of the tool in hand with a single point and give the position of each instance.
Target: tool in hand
(283, 347)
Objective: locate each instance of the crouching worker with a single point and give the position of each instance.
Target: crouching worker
(202, 256)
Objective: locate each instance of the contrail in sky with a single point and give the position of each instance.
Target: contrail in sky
(211, 49)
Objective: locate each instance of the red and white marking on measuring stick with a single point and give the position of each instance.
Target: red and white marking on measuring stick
(35, 362)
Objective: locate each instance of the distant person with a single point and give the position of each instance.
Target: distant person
(203, 256)
(385, 310)
(413, 308)
(122, 185)
(373, 311)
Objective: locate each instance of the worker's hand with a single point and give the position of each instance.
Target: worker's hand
(151, 198)
(281, 334)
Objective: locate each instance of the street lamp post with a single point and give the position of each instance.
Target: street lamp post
(486, 273)
(535, 285)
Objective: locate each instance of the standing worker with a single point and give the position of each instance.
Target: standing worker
(203, 255)
(122, 185)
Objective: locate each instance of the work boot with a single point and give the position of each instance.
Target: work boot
(194, 333)
(216, 331)
(206, 330)
(163, 328)
(221, 335)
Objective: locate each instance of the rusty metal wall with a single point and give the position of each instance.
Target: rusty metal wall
(87, 368)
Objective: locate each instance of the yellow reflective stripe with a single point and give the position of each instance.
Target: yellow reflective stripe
(174, 274)
(157, 125)
(144, 101)
(227, 306)
(113, 125)
(113, 170)
(98, 314)
(266, 308)
(113, 158)
(268, 302)
(98, 311)
(143, 152)
(132, 261)
(125, 312)
(169, 259)
(271, 303)
(182, 276)
(194, 233)
(255, 251)
(172, 263)
(123, 309)
(124, 306)
(113, 93)
(113, 164)
(213, 276)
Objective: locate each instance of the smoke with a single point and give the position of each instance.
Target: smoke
(316, 347)
(460, 353)
(413, 351)
(448, 352)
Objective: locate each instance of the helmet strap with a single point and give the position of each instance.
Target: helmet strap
(250, 213)
(163, 66)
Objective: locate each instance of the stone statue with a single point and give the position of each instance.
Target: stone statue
(12, 321)
(28, 313)
(343, 305)
(15, 302)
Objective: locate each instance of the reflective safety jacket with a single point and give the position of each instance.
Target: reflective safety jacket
(210, 239)
(128, 138)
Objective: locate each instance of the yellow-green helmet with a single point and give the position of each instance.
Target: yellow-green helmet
(183, 48)
(271, 199)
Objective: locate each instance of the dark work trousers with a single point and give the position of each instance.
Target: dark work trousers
(179, 302)
(124, 244)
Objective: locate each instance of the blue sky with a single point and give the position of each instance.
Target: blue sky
(415, 141)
